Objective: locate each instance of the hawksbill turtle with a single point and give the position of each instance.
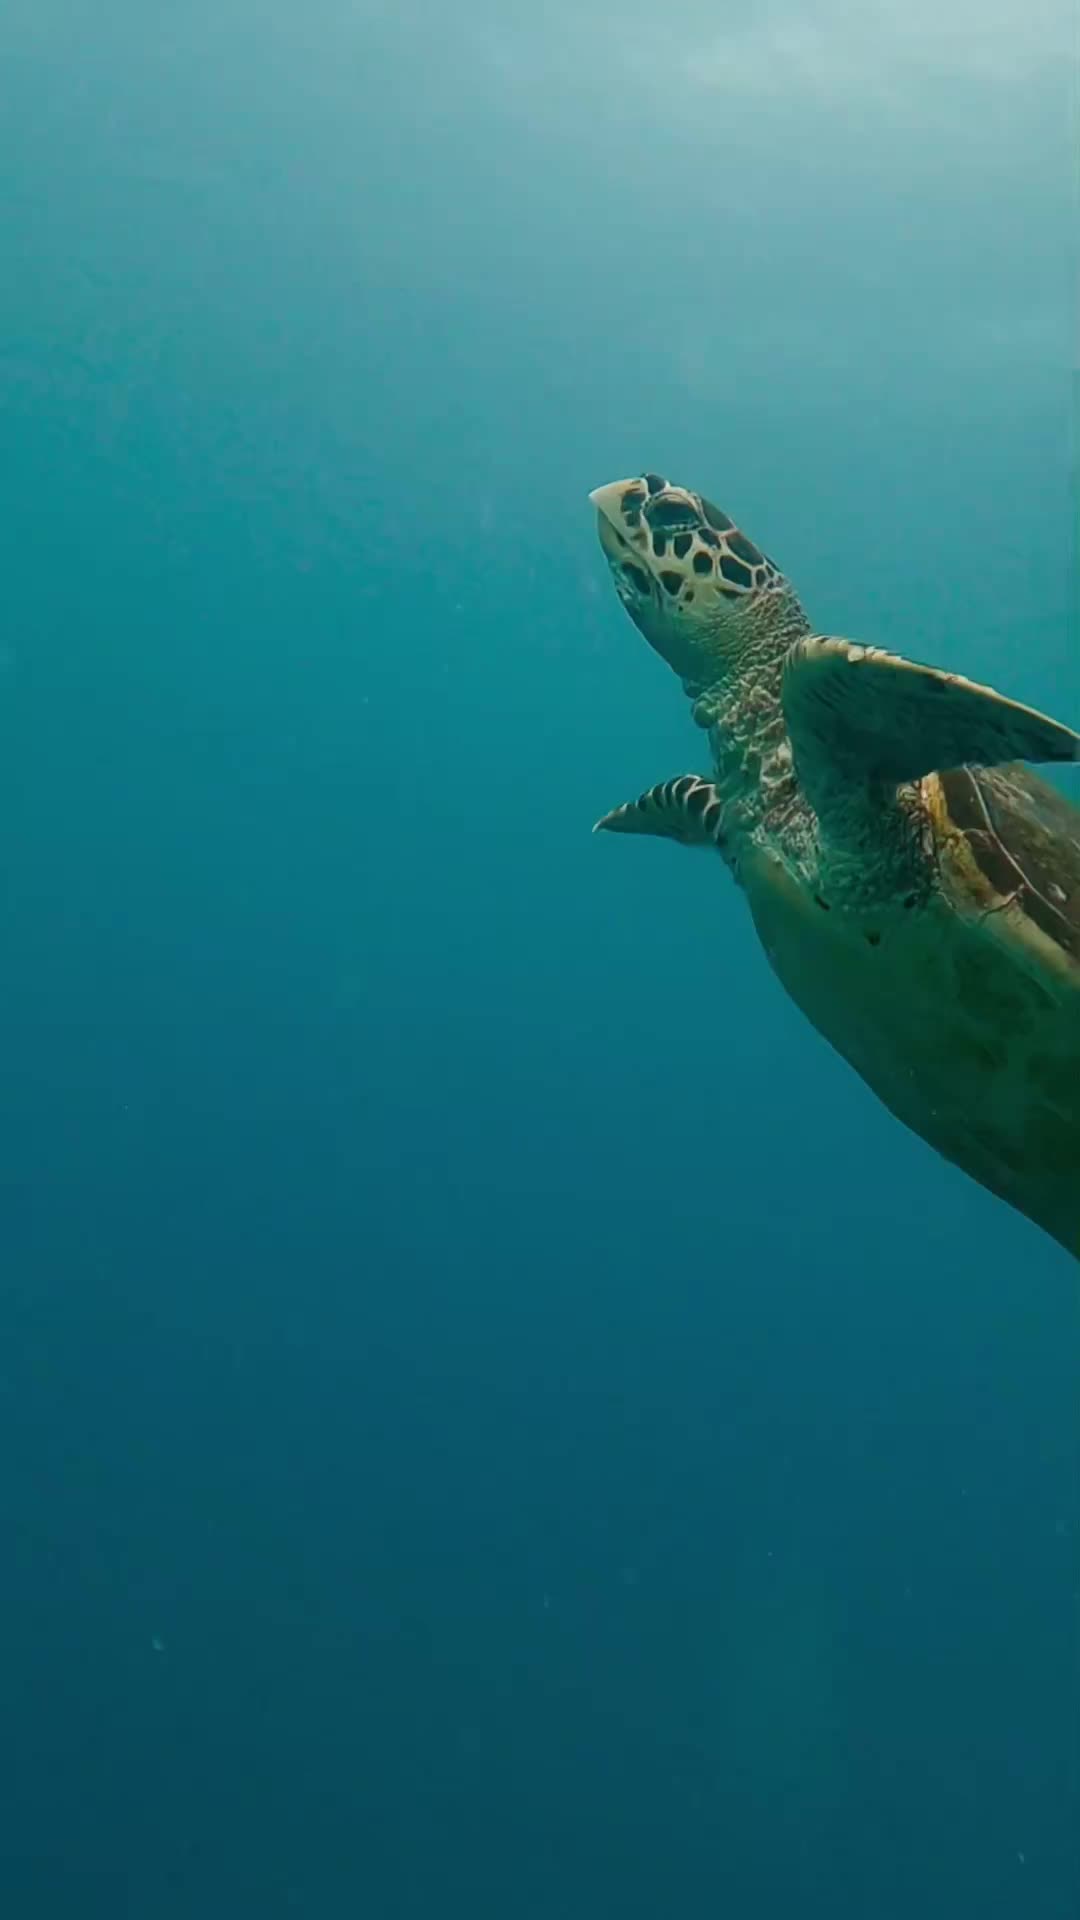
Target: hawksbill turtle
(915, 887)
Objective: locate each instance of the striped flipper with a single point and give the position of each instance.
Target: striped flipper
(688, 810)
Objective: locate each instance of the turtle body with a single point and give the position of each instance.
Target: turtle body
(915, 885)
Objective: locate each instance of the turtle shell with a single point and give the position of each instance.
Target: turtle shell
(1024, 839)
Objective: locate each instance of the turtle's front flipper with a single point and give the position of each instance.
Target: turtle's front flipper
(688, 809)
(857, 714)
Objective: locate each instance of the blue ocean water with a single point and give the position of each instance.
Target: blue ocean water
(496, 1421)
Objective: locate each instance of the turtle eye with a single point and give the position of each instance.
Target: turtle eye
(672, 512)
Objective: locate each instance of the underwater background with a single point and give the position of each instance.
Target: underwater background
(495, 1420)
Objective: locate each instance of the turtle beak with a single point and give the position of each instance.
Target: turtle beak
(611, 519)
(608, 501)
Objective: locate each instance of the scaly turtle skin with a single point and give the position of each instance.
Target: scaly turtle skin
(916, 889)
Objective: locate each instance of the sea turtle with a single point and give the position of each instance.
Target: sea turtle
(916, 889)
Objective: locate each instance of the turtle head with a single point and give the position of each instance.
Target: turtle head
(704, 597)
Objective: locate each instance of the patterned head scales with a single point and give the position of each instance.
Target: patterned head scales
(696, 587)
